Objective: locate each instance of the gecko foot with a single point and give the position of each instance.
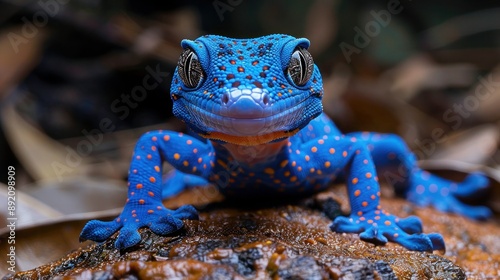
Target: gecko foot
(444, 195)
(379, 227)
(159, 219)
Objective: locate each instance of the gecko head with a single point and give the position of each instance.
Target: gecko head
(246, 91)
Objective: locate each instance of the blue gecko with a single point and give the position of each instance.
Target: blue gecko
(256, 103)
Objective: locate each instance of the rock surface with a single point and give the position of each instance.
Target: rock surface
(286, 241)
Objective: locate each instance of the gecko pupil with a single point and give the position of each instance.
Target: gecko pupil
(301, 66)
(189, 69)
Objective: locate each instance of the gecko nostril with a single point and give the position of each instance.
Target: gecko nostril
(225, 98)
(265, 99)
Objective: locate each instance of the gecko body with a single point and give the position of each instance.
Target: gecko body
(256, 103)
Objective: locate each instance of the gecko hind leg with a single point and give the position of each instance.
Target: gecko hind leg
(398, 165)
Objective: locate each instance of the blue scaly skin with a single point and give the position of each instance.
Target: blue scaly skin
(257, 103)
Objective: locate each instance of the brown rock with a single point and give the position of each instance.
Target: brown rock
(287, 241)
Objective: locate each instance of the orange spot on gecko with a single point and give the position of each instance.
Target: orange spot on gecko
(166, 137)
(357, 193)
(269, 171)
(150, 211)
(344, 154)
(387, 223)
(307, 158)
(314, 149)
(332, 151)
(368, 175)
(294, 163)
(195, 151)
(151, 194)
(312, 170)
(293, 179)
(321, 141)
(138, 186)
(141, 201)
(364, 204)
(185, 163)
(154, 138)
(373, 196)
(396, 235)
(287, 173)
(189, 142)
(135, 171)
(152, 179)
(327, 164)
(365, 161)
(200, 160)
(360, 213)
(284, 163)
(157, 168)
(153, 148)
(299, 168)
(149, 156)
(177, 156)
(354, 181)
(138, 157)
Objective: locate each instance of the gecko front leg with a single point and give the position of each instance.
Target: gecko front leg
(144, 206)
(367, 216)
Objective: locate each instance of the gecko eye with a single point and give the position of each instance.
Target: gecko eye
(189, 68)
(301, 66)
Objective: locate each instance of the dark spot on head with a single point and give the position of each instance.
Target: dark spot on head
(282, 86)
(241, 69)
(270, 84)
(241, 57)
(236, 84)
(262, 74)
(229, 76)
(220, 54)
(249, 77)
(232, 61)
(235, 42)
(221, 84)
(315, 80)
(215, 79)
(252, 54)
(223, 68)
(229, 45)
(257, 84)
(255, 62)
(261, 46)
(265, 68)
(230, 52)
(221, 46)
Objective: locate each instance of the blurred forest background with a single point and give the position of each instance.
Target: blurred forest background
(73, 99)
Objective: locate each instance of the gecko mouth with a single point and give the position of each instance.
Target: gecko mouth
(248, 127)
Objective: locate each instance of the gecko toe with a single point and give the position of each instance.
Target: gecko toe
(99, 230)
(410, 224)
(186, 212)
